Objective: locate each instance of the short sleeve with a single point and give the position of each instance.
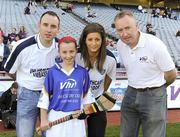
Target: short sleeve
(163, 58)
(13, 61)
(46, 92)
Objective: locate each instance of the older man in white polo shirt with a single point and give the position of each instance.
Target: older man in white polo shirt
(150, 70)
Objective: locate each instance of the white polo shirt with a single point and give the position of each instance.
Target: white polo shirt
(146, 63)
(97, 79)
(30, 60)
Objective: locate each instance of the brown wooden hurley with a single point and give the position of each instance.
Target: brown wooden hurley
(103, 103)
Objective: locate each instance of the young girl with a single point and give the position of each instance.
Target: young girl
(65, 91)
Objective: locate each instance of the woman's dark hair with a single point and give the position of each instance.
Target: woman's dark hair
(93, 28)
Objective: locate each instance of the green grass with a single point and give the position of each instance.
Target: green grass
(173, 130)
(113, 131)
(11, 134)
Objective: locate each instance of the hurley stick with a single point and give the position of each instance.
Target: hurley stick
(58, 121)
(103, 103)
(88, 109)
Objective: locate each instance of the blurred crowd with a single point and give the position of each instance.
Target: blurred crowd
(6, 41)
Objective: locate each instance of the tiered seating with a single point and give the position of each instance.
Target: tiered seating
(165, 28)
(12, 15)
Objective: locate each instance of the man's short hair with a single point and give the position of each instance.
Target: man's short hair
(122, 14)
(52, 13)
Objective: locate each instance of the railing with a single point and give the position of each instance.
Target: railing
(120, 74)
(2, 73)
(4, 76)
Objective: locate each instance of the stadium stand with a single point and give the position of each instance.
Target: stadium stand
(12, 15)
(165, 28)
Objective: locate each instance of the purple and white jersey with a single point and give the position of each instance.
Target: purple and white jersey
(66, 91)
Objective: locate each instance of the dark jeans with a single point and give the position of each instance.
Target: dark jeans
(9, 118)
(97, 124)
(1, 66)
(146, 108)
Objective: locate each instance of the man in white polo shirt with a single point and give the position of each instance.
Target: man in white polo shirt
(30, 60)
(150, 70)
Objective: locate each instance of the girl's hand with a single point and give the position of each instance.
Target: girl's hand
(44, 125)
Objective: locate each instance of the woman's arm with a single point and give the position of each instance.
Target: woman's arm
(107, 82)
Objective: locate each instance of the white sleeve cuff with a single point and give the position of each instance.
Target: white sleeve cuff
(43, 101)
(89, 98)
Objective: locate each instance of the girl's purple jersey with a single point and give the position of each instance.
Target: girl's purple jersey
(66, 91)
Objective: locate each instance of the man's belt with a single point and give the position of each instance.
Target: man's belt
(145, 89)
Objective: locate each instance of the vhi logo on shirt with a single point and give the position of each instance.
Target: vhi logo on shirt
(69, 83)
(143, 59)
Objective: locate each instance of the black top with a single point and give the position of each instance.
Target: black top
(8, 101)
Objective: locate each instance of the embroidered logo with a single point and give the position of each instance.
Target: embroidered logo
(143, 59)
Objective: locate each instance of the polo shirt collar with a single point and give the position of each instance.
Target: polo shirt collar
(141, 42)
